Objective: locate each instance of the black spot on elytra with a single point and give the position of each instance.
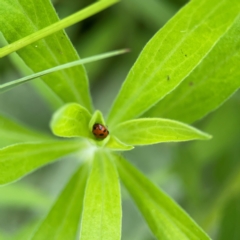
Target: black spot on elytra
(101, 134)
(104, 130)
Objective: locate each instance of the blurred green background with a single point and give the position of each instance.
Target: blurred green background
(203, 177)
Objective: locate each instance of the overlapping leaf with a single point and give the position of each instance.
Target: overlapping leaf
(19, 19)
(172, 54)
(55, 27)
(208, 86)
(71, 120)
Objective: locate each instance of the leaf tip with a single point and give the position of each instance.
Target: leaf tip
(206, 136)
(127, 50)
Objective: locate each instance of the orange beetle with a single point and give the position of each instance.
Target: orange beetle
(100, 131)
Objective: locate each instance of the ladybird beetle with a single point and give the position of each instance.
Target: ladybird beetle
(100, 131)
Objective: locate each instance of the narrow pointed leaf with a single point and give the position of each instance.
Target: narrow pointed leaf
(208, 86)
(62, 222)
(164, 217)
(155, 130)
(101, 217)
(71, 120)
(172, 54)
(12, 132)
(9, 85)
(18, 160)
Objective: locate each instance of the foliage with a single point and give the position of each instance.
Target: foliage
(188, 69)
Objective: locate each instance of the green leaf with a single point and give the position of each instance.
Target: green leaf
(19, 19)
(97, 117)
(172, 54)
(101, 217)
(18, 160)
(164, 217)
(9, 85)
(71, 120)
(62, 222)
(155, 130)
(208, 86)
(13, 132)
(115, 144)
